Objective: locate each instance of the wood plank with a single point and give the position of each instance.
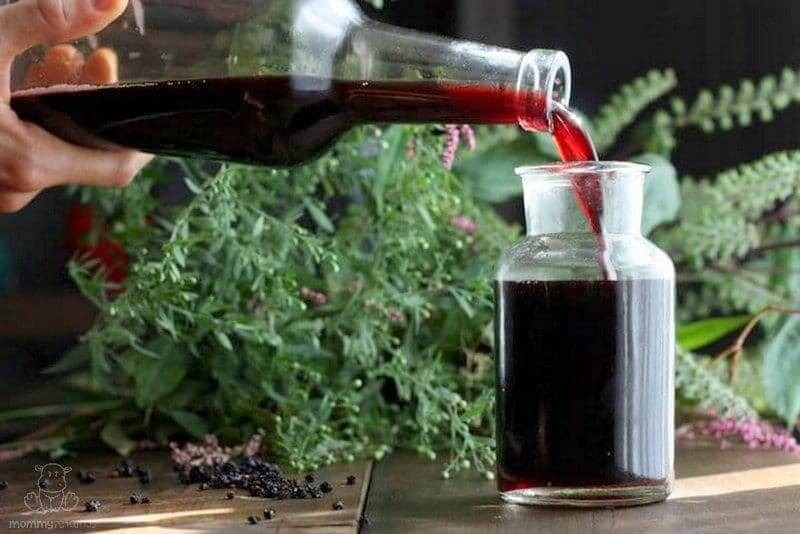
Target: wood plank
(179, 508)
(725, 491)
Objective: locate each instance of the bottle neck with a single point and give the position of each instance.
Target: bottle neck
(452, 80)
(551, 206)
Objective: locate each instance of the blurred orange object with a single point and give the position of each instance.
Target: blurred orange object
(64, 64)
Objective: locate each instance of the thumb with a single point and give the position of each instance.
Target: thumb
(27, 23)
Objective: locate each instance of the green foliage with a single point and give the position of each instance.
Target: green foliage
(625, 106)
(782, 371)
(216, 331)
(699, 334)
(731, 107)
(723, 109)
(662, 193)
(720, 220)
(698, 385)
(490, 169)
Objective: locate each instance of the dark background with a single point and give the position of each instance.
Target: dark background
(707, 42)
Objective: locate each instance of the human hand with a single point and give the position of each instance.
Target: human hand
(31, 159)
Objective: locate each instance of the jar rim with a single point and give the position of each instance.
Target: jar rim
(561, 170)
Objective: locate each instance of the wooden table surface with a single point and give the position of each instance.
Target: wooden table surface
(733, 490)
(175, 507)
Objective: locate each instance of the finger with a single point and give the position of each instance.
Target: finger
(31, 22)
(36, 160)
(11, 201)
(61, 64)
(101, 68)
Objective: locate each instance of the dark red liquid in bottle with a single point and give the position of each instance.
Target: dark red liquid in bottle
(278, 121)
(583, 384)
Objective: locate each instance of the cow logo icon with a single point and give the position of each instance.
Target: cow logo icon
(52, 494)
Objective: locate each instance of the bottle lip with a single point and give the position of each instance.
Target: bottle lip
(553, 77)
(556, 171)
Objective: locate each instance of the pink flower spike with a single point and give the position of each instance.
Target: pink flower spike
(453, 140)
(755, 434)
(465, 224)
(469, 135)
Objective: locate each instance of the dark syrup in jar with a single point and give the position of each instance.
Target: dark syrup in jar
(584, 391)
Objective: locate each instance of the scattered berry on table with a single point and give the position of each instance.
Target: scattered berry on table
(86, 477)
(93, 505)
(351, 480)
(3, 485)
(338, 505)
(252, 474)
(269, 513)
(230, 495)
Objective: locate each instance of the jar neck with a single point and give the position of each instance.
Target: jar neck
(524, 87)
(551, 206)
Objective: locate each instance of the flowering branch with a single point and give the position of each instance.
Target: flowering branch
(755, 433)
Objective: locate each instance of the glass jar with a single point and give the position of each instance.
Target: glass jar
(584, 351)
(272, 82)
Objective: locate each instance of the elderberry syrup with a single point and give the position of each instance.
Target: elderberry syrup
(584, 346)
(269, 120)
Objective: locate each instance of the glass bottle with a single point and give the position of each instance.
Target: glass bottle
(276, 81)
(585, 361)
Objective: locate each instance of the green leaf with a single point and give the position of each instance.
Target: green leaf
(258, 227)
(224, 340)
(490, 172)
(75, 358)
(193, 424)
(426, 216)
(113, 436)
(319, 216)
(662, 192)
(157, 377)
(785, 266)
(465, 306)
(60, 409)
(782, 371)
(193, 187)
(395, 151)
(701, 333)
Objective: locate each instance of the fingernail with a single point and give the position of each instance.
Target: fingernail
(102, 5)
